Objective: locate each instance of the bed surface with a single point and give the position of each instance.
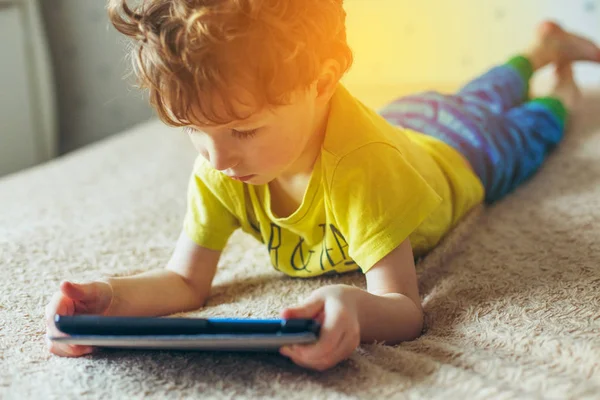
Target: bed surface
(512, 296)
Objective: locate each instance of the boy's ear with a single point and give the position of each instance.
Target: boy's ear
(328, 79)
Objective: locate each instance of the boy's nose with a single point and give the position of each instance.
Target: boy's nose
(221, 159)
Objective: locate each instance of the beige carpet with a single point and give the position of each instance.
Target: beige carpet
(515, 314)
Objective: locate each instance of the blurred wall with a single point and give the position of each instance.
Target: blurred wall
(400, 46)
(93, 99)
(406, 45)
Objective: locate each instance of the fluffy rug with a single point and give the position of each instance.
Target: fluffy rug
(512, 296)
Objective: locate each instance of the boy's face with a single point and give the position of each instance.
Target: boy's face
(265, 146)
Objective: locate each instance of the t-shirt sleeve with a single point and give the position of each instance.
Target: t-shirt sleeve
(378, 199)
(208, 221)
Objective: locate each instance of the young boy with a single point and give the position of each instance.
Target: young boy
(325, 183)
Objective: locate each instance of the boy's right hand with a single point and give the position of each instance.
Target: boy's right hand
(72, 299)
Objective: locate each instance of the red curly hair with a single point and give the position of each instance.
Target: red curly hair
(193, 54)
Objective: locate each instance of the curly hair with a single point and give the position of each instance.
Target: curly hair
(194, 54)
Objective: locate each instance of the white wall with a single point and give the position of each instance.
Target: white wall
(88, 59)
(406, 44)
(400, 46)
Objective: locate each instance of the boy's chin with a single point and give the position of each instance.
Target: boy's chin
(260, 180)
(256, 180)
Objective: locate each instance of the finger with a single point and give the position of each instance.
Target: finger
(67, 350)
(348, 342)
(300, 362)
(320, 317)
(326, 361)
(292, 353)
(309, 309)
(62, 305)
(320, 364)
(76, 291)
(314, 352)
(89, 298)
(58, 305)
(331, 330)
(315, 356)
(344, 349)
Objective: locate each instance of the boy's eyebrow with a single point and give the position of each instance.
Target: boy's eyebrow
(231, 125)
(234, 124)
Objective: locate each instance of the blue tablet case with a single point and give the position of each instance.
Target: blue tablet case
(212, 334)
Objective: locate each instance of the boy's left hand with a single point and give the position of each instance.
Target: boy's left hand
(335, 308)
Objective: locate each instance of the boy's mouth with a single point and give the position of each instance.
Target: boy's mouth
(242, 178)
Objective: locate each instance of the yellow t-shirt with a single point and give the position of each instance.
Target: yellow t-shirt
(373, 186)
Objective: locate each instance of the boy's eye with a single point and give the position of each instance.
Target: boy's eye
(236, 133)
(190, 130)
(244, 134)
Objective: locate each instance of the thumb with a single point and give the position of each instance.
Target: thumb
(309, 309)
(89, 298)
(78, 291)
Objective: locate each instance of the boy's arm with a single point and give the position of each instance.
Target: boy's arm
(391, 310)
(183, 286)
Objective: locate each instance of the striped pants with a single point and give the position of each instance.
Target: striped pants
(503, 135)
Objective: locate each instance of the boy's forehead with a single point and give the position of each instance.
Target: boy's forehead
(234, 107)
(229, 108)
(240, 115)
(255, 117)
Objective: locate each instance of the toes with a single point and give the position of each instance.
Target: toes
(592, 52)
(548, 28)
(564, 75)
(564, 70)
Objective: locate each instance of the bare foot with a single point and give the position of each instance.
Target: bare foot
(555, 45)
(566, 89)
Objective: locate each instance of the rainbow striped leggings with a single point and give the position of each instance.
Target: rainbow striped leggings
(503, 135)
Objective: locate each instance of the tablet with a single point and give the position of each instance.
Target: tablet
(185, 333)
